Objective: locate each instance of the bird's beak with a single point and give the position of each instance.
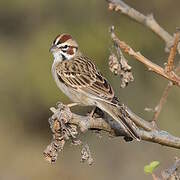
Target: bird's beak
(53, 48)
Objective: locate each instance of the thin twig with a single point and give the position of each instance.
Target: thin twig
(172, 54)
(138, 56)
(164, 96)
(162, 101)
(170, 173)
(154, 177)
(148, 21)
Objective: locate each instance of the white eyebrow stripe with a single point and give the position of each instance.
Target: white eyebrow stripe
(57, 40)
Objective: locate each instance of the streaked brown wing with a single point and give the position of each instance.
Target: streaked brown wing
(80, 73)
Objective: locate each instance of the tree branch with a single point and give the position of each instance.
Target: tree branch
(108, 125)
(138, 56)
(148, 21)
(162, 101)
(171, 172)
(65, 124)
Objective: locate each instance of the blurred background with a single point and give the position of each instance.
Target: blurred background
(27, 90)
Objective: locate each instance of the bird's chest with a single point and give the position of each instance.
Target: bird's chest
(66, 90)
(74, 94)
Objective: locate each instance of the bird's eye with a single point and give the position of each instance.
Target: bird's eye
(65, 47)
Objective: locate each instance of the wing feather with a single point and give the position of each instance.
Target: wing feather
(81, 74)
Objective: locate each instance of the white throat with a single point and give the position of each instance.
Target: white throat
(57, 57)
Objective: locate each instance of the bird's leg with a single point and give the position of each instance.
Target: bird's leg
(92, 112)
(97, 112)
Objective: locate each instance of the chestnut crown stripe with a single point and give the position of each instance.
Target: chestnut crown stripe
(65, 37)
(62, 38)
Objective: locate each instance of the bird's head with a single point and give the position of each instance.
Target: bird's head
(64, 47)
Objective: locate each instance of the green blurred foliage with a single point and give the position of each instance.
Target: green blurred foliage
(151, 167)
(28, 90)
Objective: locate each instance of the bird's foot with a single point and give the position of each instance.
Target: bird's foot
(96, 112)
(91, 114)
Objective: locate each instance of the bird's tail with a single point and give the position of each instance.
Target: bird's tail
(116, 112)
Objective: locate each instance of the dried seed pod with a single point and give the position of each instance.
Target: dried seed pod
(86, 155)
(114, 64)
(119, 66)
(62, 131)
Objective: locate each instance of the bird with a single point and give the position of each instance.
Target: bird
(77, 77)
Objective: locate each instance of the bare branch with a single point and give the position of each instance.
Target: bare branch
(138, 56)
(148, 21)
(104, 123)
(155, 177)
(170, 173)
(162, 101)
(172, 54)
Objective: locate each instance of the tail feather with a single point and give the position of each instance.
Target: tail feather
(115, 112)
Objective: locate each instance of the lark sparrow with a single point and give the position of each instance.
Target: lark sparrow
(78, 77)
